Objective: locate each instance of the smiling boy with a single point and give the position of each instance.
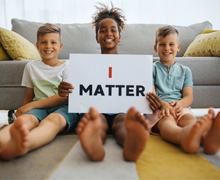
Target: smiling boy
(44, 113)
(172, 82)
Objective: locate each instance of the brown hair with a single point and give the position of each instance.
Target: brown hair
(104, 12)
(48, 28)
(164, 31)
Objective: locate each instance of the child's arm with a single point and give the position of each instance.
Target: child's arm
(185, 101)
(52, 101)
(64, 89)
(29, 96)
(29, 104)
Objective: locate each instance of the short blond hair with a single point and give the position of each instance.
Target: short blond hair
(164, 31)
(48, 28)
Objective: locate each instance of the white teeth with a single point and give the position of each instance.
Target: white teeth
(48, 51)
(108, 40)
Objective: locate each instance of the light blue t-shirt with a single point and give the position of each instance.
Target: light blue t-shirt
(169, 86)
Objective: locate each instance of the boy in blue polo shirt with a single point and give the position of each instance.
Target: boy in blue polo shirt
(172, 82)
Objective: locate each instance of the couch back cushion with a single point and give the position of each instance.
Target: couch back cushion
(135, 39)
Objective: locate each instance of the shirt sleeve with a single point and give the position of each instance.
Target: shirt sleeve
(26, 79)
(188, 78)
(66, 73)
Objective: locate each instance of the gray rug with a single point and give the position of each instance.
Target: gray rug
(77, 165)
(40, 163)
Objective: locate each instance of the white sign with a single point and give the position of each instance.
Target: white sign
(111, 83)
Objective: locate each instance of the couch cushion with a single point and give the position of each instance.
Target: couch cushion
(140, 38)
(136, 38)
(76, 38)
(205, 70)
(3, 54)
(205, 44)
(17, 47)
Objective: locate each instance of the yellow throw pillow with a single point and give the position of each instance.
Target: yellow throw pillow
(17, 47)
(205, 44)
(3, 54)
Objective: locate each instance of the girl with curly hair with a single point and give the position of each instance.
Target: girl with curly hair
(130, 130)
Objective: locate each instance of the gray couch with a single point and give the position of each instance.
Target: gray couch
(136, 39)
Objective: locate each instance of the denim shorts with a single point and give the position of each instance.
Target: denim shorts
(71, 118)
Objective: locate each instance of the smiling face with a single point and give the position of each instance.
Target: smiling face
(49, 46)
(167, 48)
(108, 36)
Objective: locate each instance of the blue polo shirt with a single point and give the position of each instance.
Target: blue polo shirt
(169, 86)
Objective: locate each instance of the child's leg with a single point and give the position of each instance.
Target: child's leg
(46, 131)
(92, 134)
(14, 138)
(131, 131)
(212, 138)
(188, 137)
(186, 119)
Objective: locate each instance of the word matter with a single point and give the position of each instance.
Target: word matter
(125, 90)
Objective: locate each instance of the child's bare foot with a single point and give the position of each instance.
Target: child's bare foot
(88, 130)
(137, 135)
(18, 144)
(212, 138)
(192, 134)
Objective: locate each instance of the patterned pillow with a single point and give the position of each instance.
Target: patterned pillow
(205, 44)
(3, 54)
(17, 47)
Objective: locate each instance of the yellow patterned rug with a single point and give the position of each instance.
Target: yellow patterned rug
(163, 160)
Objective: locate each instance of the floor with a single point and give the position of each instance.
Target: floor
(3, 117)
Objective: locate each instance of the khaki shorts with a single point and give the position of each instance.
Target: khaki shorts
(153, 127)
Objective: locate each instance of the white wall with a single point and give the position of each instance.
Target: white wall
(173, 12)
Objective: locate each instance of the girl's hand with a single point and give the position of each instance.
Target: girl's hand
(155, 102)
(64, 89)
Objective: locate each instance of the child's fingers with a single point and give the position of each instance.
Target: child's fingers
(160, 114)
(172, 112)
(154, 99)
(179, 113)
(153, 104)
(167, 112)
(152, 107)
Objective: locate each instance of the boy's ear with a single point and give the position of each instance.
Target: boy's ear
(37, 46)
(119, 38)
(61, 46)
(155, 48)
(178, 48)
(97, 39)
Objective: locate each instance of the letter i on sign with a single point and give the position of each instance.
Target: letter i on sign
(110, 72)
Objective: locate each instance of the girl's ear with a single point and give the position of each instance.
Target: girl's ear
(155, 48)
(119, 38)
(97, 39)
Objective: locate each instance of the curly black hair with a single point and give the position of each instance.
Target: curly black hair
(104, 12)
